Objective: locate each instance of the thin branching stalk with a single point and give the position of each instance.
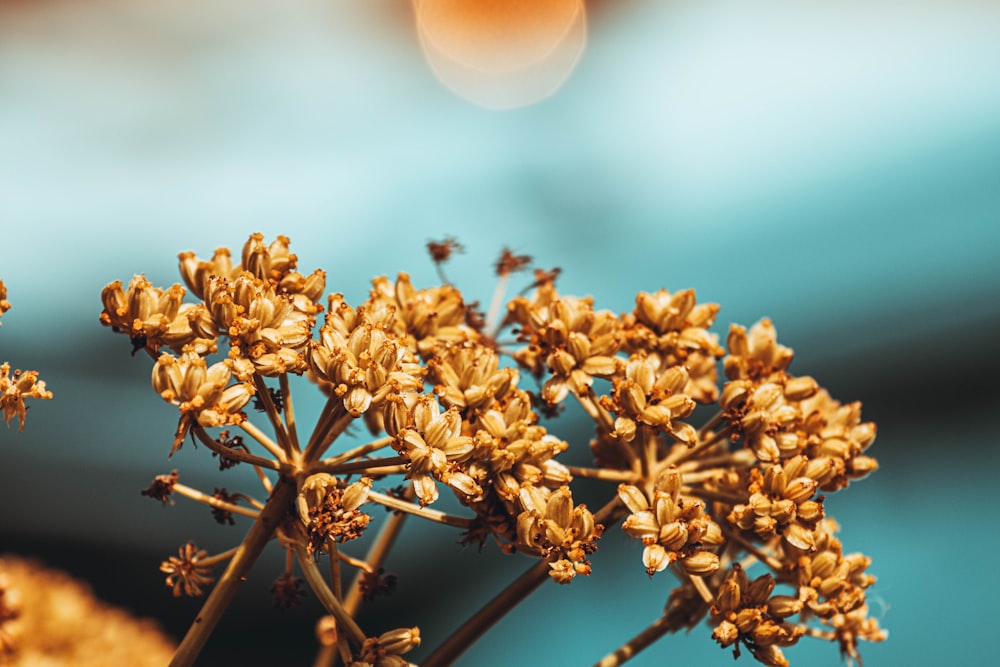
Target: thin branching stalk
(217, 558)
(264, 394)
(605, 474)
(687, 454)
(597, 412)
(710, 425)
(499, 606)
(377, 553)
(702, 588)
(332, 410)
(634, 646)
(355, 562)
(336, 425)
(485, 618)
(423, 512)
(230, 453)
(286, 397)
(250, 429)
(263, 529)
(752, 548)
(195, 494)
(326, 597)
(493, 320)
(364, 465)
(357, 452)
(264, 479)
(715, 496)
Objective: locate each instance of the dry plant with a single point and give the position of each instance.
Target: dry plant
(19, 385)
(439, 388)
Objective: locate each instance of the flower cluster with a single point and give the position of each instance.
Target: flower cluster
(443, 398)
(17, 385)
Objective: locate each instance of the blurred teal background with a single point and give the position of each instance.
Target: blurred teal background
(832, 165)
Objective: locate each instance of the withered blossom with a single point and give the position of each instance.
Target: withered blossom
(746, 613)
(17, 385)
(330, 512)
(386, 649)
(652, 398)
(374, 584)
(436, 449)
(360, 357)
(202, 393)
(672, 527)
(4, 303)
(288, 591)
(510, 263)
(442, 399)
(673, 328)
(569, 339)
(186, 574)
(426, 318)
(235, 442)
(551, 526)
(220, 514)
(14, 388)
(781, 503)
(153, 317)
(162, 487)
(441, 251)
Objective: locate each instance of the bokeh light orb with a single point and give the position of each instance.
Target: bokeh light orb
(502, 53)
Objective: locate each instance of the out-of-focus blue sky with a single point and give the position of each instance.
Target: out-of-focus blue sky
(833, 165)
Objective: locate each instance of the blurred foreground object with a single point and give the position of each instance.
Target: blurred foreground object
(502, 54)
(47, 618)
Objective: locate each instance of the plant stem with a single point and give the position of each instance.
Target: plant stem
(258, 435)
(328, 427)
(493, 319)
(326, 596)
(195, 494)
(230, 453)
(264, 392)
(362, 465)
(629, 649)
(377, 554)
(509, 598)
(486, 617)
(603, 473)
(417, 510)
(278, 505)
(357, 452)
(286, 395)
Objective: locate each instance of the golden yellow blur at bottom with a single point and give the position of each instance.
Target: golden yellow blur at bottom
(502, 54)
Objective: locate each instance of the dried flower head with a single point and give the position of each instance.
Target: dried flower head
(288, 591)
(17, 385)
(188, 571)
(331, 512)
(201, 392)
(552, 527)
(510, 263)
(14, 388)
(437, 385)
(386, 649)
(162, 487)
(4, 303)
(441, 251)
(672, 527)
